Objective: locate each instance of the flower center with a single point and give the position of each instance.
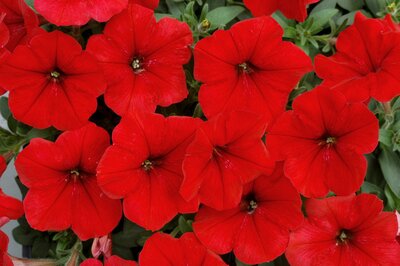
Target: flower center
(73, 175)
(245, 68)
(218, 151)
(343, 237)
(249, 204)
(328, 141)
(252, 206)
(137, 64)
(147, 165)
(55, 74)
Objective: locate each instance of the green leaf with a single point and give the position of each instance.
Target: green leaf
(184, 225)
(9, 142)
(321, 19)
(160, 16)
(130, 235)
(393, 202)
(24, 235)
(122, 252)
(386, 136)
(351, 5)
(370, 188)
(215, 3)
(29, 3)
(376, 6)
(221, 16)
(4, 109)
(176, 9)
(324, 4)
(350, 17)
(40, 247)
(390, 165)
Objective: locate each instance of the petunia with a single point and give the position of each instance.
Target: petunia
(293, 9)
(52, 82)
(144, 167)
(10, 208)
(226, 153)
(20, 20)
(142, 60)
(367, 61)
(322, 141)
(78, 12)
(345, 231)
(248, 67)
(5, 260)
(163, 250)
(111, 261)
(257, 230)
(4, 38)
(63, 191)
(147, 3)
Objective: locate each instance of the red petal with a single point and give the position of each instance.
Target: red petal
(76, 12)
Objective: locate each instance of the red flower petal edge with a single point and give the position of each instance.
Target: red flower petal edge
(226, 153)
(293, 9)
(144, 167)
(52, 82)
(63, 191)
(258, 229)
(162, 249)
(366, 62)
(248, 67)
(142, 60)
(323, 141)
(350, 230)
(66, 12)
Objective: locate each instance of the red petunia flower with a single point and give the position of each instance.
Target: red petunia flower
(144, 166)
(78, 12)
(366, 63)
(112, 261)
(163, 250)
(63, 190)
(345, 231)
(226, 152)
(153, 4)
(10, 208)
(52, 82)
(258, 229)
(5, 260)
(248, 67)
(142, 60)
(21, 21)
(293, 9)
(323, 141)
(4, 38)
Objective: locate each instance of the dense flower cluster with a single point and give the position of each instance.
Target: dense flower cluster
(233, 178)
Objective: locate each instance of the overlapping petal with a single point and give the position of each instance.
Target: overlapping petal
(144, 166)
(78, 12)
(350, 230)
(293, 9)
(142, 60)
(322, 141)
(248, 67)
(52, 82)
(226, 153)
(258, 229)
(365, 63)
(162, 249)
(63, 191)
